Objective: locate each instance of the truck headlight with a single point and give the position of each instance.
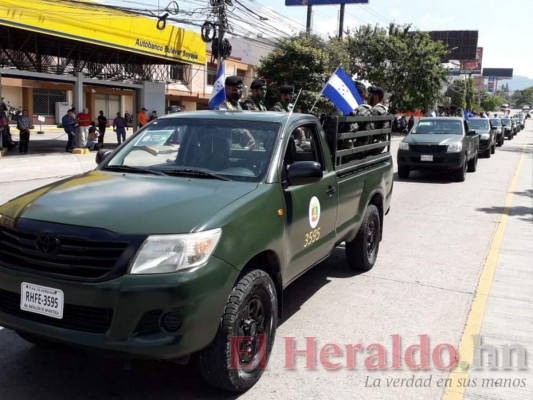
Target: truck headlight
(452, 147)
(485, 136)
(170, 253)
(403, 146)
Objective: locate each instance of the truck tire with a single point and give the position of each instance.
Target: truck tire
(493, 149)
(460, 174)
(362, 251)
(251, 312)
(403, 172)
(472, 164)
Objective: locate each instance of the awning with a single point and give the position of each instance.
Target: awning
(100, 26)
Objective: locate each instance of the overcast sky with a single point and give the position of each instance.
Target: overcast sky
(505, 27)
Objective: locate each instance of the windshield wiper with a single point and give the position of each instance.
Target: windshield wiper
(195, 172)
(129, 168)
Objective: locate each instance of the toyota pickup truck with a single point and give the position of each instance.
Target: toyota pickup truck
(179, 244)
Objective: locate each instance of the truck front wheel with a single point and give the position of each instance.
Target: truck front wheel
(235, 360)
(362, 251)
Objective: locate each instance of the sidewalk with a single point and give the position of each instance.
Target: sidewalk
(53, 140)
(500, 325)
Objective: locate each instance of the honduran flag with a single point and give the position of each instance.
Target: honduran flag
(342, 92)
(219, 90)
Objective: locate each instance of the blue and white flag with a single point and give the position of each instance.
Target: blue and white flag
(342, 92)
(219, 90)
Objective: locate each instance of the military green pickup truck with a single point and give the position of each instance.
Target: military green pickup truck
(180, 243)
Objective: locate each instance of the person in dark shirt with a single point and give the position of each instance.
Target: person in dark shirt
(69, 125)
(119, 126)
(102, 124)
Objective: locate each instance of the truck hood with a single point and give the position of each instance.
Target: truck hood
(128, 203)
(431, 138)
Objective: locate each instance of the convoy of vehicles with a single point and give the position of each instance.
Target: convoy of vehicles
(186, 235)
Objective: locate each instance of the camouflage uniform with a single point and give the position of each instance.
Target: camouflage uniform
(230, 105)
(279, 106)
(379, 109)
(253, 104)
(364, 110)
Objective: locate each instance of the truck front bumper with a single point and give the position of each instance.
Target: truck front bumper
(414, 160)
(160, 316)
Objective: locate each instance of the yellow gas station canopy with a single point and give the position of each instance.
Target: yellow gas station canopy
(99, 25)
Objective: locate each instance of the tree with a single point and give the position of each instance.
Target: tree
(405, 63)
(522, 97)
(490, 102)
(305, 61)
(456, 92)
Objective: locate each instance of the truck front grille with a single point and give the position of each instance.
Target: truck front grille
(80, 318)
(52, 250)
(428, 148)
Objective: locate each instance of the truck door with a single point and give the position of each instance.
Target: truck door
(311, 210)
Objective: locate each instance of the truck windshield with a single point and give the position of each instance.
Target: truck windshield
(439, 126)
(480, 124)
(203, 149)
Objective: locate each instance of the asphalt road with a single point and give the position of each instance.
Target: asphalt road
(436, 240)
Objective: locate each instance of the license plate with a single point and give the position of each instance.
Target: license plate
(41, 300)
(426, 157)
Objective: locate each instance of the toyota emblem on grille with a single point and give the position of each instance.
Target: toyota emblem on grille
(47, 244)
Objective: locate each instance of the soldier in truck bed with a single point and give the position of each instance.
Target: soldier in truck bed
(286, 93)
(375, 99)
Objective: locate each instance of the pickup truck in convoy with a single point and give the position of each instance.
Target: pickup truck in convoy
(179, 244)
(439, 143)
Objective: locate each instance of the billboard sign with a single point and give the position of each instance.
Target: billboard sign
(461, 44)
(322, 2)
(110, 28)
(491, 84)
(498, 72)
(473, 67)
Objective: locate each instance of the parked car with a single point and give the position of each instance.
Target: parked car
(487, 135)
(439, 143)
(496, 124)
(507, 128)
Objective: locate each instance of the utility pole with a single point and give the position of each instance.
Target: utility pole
(341, 19)
(222, 22)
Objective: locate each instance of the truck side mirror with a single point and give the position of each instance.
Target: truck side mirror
(304, 172)
(471, 133)
(102, 154)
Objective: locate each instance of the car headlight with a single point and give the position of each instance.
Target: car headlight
(170, 253)
(485, 136)
(404, 146)
(455, 147)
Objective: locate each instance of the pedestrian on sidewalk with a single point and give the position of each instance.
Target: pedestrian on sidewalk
(84, 121)
(24, 125)
(69, 125)
(92, 140)
(102, 124)
(142, 120)
(119, 126)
